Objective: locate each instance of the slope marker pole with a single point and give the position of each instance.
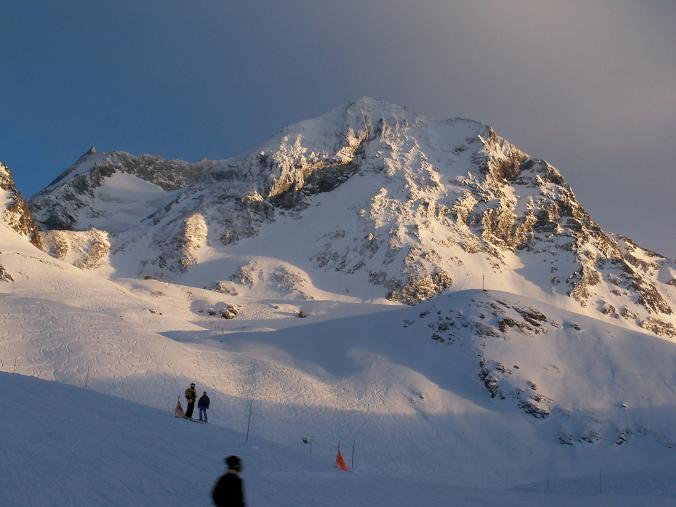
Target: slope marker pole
(248, 426)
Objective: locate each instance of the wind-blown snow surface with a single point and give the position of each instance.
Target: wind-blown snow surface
(412, 385)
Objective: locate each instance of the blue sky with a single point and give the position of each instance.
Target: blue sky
(589, 86)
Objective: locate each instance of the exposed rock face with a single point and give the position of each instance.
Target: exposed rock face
(658, 327)
(83, 249)
(14, 211)
(280, 278)
(229, 312)
(5, 276)
(181, 250)
(427, 207)
(552, 222)
(421, 288)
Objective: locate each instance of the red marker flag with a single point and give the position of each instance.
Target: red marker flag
(340, 462)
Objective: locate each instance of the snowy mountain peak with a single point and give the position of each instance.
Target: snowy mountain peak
(376, 110)
(327, 286)
(368, 199)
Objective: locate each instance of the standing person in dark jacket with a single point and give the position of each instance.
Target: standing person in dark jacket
(203, 405)
(190, 396)
(229, 490)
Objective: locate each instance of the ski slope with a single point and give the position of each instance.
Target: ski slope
(69, 446)
(400, 382)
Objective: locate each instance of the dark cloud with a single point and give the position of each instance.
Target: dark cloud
(586, 85)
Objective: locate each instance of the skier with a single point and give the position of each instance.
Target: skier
(190, 396)
(203, 405)
(229, 490)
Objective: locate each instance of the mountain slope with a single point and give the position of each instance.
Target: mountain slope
(367, 201)
(469, 388)
(98, 184)
(59, 457)
(495, 380)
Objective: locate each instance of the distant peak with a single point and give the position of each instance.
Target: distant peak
(90, 151)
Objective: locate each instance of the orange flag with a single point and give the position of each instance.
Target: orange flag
(340, 462)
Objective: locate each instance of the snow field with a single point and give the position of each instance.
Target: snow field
(350, 372)
(70, 446)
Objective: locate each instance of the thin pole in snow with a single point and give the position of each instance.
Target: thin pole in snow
(483, 283)
(248, 426)
(308, 441)
(352, 459)
(87, 376)
(14, 365)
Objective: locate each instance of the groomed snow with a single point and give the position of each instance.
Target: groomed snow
(69, 446)
(423, 422)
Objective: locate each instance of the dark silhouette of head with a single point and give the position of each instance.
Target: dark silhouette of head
(234, 463)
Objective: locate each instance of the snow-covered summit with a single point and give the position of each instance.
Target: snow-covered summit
(369, 200)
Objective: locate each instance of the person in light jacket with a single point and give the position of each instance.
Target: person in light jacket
(190, 395)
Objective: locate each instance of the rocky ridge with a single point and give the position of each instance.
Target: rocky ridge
(66, 202)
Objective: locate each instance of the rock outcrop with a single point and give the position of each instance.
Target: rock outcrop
(5, 276)
(14, 211)
(83, 249)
